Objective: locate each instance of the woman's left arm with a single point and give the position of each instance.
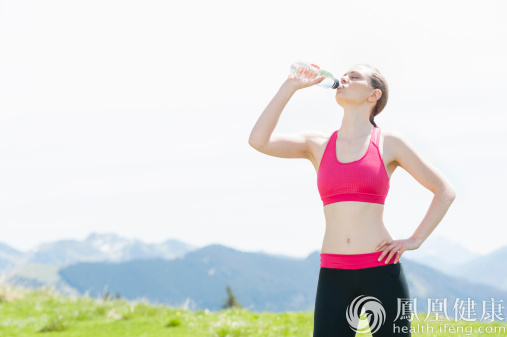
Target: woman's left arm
(410, 160)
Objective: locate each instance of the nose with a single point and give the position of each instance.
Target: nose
(343, 80)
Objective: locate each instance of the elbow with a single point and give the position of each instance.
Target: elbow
(252, 144)
(453, 194)
(255, 144)
(250, 141)
(448, 192)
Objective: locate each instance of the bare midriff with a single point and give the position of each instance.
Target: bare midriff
(353, 227)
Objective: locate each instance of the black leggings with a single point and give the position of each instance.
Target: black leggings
(336, 290)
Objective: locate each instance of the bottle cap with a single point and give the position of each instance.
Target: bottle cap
(336, 84)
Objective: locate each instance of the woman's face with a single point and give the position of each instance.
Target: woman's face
(355, 88)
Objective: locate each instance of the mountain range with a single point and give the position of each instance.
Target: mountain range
(95, 248)
(177, 274)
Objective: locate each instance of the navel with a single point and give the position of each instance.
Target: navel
(348, 240)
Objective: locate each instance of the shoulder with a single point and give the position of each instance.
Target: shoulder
(396, 146)
(411, 160)
(401, 150)
(388, 133)
(315, 140)
(315, 136)
(393, 138)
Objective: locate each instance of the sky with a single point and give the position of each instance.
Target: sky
(133, 117)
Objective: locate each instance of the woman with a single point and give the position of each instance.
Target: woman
(354, 166)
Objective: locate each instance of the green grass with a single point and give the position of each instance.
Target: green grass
(43, 312)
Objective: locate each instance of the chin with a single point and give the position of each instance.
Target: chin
(337, 101)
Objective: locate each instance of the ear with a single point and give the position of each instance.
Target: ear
(377, 93)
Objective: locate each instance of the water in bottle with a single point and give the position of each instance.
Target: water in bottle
(309, 71)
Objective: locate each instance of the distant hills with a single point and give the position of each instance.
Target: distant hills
(95, 248)
(259, 281)
(490, 269)
(197, 278)
(442, 254)
(10, 257)
(454, 259)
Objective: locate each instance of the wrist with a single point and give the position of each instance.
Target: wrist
(419, 240)
(290, 85)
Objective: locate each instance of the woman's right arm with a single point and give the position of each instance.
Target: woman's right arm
(281, 145)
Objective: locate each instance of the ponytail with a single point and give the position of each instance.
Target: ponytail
(372, 115)
(377, 81)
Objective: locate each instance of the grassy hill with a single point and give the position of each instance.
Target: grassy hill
(43, 312)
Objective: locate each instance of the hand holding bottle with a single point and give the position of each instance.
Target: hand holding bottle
(300, 83)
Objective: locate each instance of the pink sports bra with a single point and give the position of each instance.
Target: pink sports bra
(363, 180)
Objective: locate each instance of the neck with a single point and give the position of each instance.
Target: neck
(355, 125)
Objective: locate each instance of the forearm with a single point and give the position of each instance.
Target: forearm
(441, 202)
(262, 130)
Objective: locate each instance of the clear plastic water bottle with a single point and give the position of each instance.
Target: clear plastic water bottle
(309, 71)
